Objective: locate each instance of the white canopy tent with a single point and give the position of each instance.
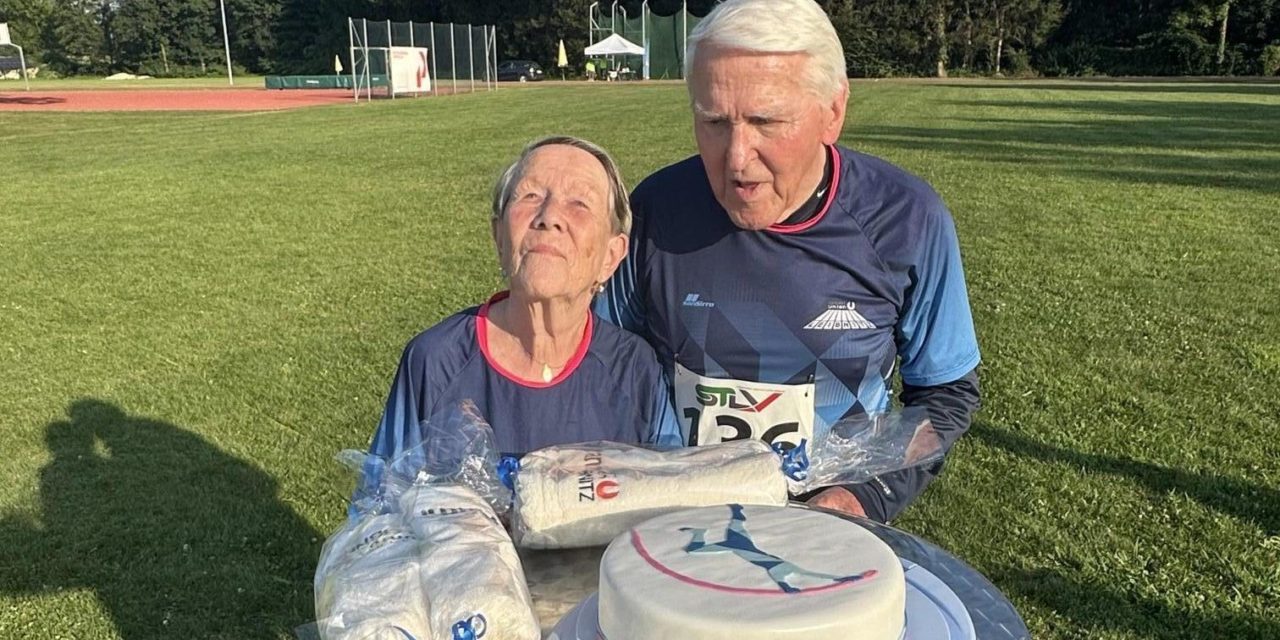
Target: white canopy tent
(614, 45)
(22, 58)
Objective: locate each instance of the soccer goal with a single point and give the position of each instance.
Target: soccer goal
(390, 59)
(7, 41)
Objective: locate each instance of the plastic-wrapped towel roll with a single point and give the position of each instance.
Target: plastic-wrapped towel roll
(368, 583)
(469, 567)
(585, 495)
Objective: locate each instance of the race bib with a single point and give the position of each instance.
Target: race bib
(717, 410)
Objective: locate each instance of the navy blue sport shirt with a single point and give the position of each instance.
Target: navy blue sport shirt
(612, 389)
(777, 334)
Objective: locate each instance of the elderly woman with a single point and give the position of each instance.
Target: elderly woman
(539, 366)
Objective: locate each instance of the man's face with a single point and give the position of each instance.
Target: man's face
(760, 131)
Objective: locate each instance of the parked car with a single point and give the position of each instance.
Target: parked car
(522, 70)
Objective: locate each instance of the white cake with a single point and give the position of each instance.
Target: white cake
(746, 572)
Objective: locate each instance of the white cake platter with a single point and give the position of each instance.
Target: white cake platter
(934, 612)
(564, 582)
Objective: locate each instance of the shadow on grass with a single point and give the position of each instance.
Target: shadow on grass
(1126, 140)
(176, 538)
(1096, 607)
(1242, 500)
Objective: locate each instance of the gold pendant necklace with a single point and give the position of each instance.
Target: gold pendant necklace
(546, 372)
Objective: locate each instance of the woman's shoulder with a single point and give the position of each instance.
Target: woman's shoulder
(617, 348)
(453, 339)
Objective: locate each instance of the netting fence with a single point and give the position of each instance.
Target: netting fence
(662, 37)
(421, 58)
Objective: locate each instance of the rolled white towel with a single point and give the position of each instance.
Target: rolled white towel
(368, 583)
(469, 566)
(585, 495)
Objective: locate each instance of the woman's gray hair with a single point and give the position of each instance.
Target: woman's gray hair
(775, 26)
(619, 204)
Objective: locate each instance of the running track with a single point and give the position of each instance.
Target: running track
(169, 100)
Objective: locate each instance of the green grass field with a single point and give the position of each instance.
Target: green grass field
(198, 310)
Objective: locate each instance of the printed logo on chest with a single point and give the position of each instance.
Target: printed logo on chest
(839, 316)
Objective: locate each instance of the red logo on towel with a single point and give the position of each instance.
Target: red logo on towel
(607, 489)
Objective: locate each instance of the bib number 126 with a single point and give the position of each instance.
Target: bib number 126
(733, 428)
(725, 410)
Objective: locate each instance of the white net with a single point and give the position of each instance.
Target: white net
(453, 58)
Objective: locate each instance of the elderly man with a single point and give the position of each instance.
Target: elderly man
(780, 277)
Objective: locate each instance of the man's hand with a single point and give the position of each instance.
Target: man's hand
(838, 499)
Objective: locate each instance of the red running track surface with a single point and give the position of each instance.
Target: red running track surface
(170, 100)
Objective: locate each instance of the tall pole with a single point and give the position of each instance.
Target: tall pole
(226, 41)
(433, 55)
(411, 46)
(613, 17)
(368, 78)
(471, 59)
(624, 30)
(453, 61)
(391, 85)
(486, 58)
(644, 38)
(684, 28)
(351, 51)
(591, 23)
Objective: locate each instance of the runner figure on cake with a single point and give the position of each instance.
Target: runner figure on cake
(738, 542)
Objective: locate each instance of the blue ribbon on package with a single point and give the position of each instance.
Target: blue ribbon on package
(507, 469)
(472, 628)
(795, 463)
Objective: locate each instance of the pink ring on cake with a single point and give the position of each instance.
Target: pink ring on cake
(638, 544)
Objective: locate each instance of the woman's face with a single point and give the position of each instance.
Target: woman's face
(556, 237)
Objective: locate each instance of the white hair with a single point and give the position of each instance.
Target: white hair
(775, 26)
(619, 204)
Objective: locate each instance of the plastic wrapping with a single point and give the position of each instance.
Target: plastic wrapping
(440, 565)
(457, 448)
(474, 579)
(584, 495)
(368, 583)
(424, 553)
(857, 450)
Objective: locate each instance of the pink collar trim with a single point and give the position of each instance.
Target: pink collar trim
(482, 337)
(826, 206)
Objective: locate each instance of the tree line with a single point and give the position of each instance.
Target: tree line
(881, 37)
